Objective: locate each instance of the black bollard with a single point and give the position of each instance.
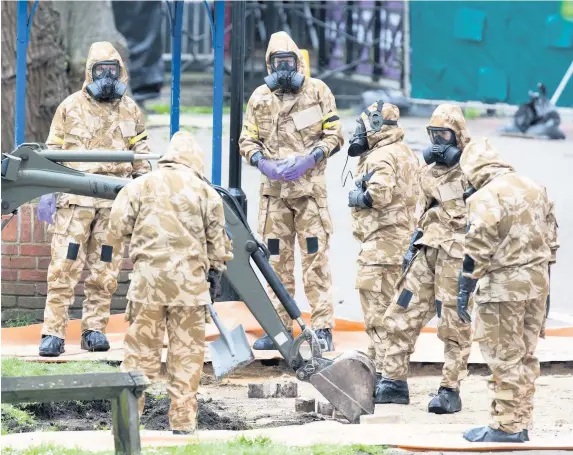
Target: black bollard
(237, 100)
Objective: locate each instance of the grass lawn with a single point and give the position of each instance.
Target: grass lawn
(240, 446)
(17, 367)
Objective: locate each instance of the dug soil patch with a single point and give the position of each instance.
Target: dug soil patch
(96, 415)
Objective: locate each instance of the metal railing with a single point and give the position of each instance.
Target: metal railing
(364, 38)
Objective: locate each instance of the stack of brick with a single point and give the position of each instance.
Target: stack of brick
(25, 260)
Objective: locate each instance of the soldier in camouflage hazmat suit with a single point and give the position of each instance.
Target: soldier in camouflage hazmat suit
(429, 285)
(510, 242)
(290, 129)
(179, 246)
(99, 116)
(383, 206)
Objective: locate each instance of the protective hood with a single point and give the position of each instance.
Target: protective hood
(388, 134)
(451, 116)
(100, 51)
(481, 163)
(184, 150)
(282, 42)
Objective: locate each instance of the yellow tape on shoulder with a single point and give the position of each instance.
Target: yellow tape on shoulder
(328, 125)
(138, 138)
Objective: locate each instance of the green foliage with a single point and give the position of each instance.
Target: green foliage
(16, 367)
(240, 446)
(49, 449)
(18, 319)
(166, 109)
(471, 113)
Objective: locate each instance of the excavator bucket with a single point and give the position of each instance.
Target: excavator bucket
(348, 384)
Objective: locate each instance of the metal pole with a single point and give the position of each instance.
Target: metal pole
(322, 51)
(218, 89)
(349, 43)
(176, 26)
(377, 71)
(237, 99)
(406, 85)
(21, 49)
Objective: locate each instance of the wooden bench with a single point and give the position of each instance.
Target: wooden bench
(123, 389)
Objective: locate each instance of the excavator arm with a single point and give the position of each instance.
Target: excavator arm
(347, 381)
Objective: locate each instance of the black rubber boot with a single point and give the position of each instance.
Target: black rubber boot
(94, 341)
(447, 401)
(488, 434)
(265, 343)
(376, 382)
(182, 432)
(326, 335)
(51, 346)
(391, 391)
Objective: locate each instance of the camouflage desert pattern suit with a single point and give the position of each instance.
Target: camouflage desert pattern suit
(176, 226)
(511, 238)
(283, 125)
(391, 171)
(80, 223)
(429, 286)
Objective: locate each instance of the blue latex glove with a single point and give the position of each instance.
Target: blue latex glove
(301, 165)
(47, 208)
(271, 168)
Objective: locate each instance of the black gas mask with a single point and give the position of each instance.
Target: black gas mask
(284, 74)
(444, 150)
(359, 140)
(106, 85)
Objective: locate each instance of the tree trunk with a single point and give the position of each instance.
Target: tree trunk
(83, 23)
(47, 82)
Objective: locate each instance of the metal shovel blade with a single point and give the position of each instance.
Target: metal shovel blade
(223, 359)
(348, 384)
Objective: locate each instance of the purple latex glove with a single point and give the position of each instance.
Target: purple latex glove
(271, 168)
(301, 165)
(47, 208)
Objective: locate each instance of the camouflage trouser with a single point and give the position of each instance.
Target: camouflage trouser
(185, 354)
(280, 220)
(78, 235)
(376, 287)
(507, 333)
(429, 287)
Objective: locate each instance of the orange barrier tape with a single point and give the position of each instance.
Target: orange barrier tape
(347, 334)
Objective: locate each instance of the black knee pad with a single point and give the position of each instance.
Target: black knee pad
(405, 297)
(73, 250)
(274, 246)
(106, 253)
(311, 245)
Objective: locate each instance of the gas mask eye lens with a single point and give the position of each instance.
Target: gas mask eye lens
(105, 69)
(283, 62)
(441, 136)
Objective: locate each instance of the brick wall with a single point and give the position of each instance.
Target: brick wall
(25, 260)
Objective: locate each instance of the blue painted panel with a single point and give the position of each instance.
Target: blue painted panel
(492, 85)
(558, 32)
(489, 51)
(469, 24)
